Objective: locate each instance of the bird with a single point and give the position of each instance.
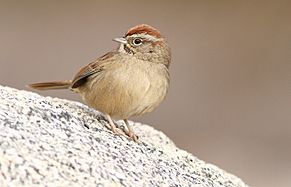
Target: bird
(129, 81)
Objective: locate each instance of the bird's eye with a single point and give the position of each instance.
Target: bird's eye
(137, 41)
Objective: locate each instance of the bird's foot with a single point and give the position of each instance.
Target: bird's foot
(113, 127)
(130, 132)
(132, 136)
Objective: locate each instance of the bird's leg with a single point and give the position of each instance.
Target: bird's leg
(113, 127)
(130, 132)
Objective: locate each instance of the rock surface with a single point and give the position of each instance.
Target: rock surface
(48, 141)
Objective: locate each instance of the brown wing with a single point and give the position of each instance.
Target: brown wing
(90, 69)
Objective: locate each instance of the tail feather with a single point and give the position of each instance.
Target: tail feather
(51, 85)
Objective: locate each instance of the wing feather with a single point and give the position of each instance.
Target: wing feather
(90, 69)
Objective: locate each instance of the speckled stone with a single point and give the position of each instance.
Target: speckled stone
(48, 141)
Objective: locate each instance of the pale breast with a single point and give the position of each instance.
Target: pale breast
(129, 89)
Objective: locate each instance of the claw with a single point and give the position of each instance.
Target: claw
(113, 127)
(130, 132)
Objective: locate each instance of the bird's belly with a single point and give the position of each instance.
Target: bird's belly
(123, 95)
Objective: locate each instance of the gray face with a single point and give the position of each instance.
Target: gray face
(146, 47)
(140, 43)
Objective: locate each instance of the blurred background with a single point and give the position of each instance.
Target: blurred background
(230, 97)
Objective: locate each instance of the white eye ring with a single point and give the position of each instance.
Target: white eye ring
(137, 41)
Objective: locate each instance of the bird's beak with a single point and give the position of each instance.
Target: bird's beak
(120, 40)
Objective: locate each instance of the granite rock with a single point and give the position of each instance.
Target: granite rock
(48, 141)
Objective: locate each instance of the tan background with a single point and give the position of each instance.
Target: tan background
(230, 97)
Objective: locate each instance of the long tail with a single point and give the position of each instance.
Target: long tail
(51, 85)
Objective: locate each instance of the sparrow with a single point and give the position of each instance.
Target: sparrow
(131, 80)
